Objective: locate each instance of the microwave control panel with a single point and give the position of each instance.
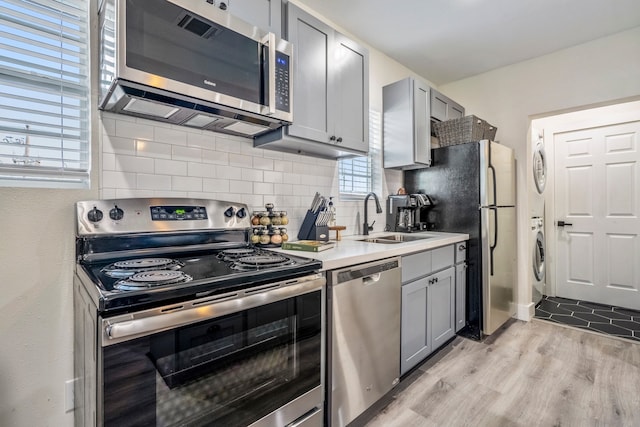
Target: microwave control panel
(282, 82)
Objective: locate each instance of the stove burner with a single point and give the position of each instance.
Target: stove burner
(128, 267)
(152, 278)
(234, 254)
(143, 263)
(260, 261)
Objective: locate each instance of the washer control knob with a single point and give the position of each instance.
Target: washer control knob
(116, 213)
(242, 212)
(95, 215)
(229, 212)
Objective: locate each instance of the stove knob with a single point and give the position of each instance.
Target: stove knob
(116, 213)
(242, 212)
(94, 215)
(229, 212)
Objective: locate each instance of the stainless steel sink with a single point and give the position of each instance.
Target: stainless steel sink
(379, 240)
(395, 238)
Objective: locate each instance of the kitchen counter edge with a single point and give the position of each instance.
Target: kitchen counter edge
(350, 251)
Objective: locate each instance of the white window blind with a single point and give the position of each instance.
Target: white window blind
(44, 93)
(360, 175)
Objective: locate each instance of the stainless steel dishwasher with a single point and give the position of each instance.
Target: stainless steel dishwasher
(363, 337)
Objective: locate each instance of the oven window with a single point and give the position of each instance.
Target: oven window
(228, 371)
(165, 40)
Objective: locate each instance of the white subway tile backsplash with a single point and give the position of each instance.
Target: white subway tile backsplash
(241, 187)
(275, 177)
(240, 160)
(202, 170)
(117, 145)
(142, 158)
(153, 149)
(167, 193)
(108, 162)
(170, 167)
(188, 154)
(215, 157)
(135, 130)
(215, 185)
(154, 182)
(115, 179)
(168, 135)
(206, 140)
(228, 172)
(134, 164)
(263, 163)
(262, 188)
(282, 166)
(184, 183)
(123, 193)
(229, 144)
(252, 175)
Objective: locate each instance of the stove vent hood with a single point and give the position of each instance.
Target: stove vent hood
(152, 103)
(156, 64)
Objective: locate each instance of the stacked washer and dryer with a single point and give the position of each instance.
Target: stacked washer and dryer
(537, 241)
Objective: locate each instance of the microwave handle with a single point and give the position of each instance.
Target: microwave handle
(270, 41)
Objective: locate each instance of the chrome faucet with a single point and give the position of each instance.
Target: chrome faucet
(366, 228)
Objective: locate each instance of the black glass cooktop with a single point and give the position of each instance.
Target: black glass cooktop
(146, 281)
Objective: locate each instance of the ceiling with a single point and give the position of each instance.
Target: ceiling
(448, 40)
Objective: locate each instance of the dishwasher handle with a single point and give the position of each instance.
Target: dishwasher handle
(369, 273)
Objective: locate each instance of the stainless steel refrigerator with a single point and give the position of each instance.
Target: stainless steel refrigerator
(473, 190)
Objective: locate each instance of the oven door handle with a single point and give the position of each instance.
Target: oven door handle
(129, 326)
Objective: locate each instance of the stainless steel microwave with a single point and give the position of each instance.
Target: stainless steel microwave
(189, 63)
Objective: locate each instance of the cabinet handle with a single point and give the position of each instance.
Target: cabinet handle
(462, 247)
(332, 138)
(339, 139)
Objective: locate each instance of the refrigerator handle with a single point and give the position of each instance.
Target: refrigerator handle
(493, 172)
(495, 238)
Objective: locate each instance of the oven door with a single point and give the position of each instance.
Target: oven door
(250, 358)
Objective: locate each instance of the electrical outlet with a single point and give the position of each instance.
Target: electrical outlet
(69, 396)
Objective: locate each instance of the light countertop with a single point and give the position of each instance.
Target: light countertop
(350, 251)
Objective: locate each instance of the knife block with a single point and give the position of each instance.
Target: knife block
(310, 231)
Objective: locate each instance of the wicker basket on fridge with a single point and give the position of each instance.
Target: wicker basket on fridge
(464, 129)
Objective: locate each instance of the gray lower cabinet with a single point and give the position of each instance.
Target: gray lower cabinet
(330, 92)
(264, 14)
(428, 304)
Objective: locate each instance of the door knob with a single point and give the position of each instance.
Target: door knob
(562, 224)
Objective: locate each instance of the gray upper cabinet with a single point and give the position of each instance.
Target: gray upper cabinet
(264, 14)
(444, 108)
(330, 92)
(409, 106)
(406, 124)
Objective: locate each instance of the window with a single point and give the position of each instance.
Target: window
(44, 93)
(360, 175)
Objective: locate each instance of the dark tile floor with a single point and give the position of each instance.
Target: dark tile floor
(605, 319)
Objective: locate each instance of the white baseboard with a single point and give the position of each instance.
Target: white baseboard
(525, 311)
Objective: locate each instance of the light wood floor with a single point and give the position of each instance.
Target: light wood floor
(528, 374)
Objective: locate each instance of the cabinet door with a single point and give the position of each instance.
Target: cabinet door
(461, 296)
(441, 306)
(313, 43)
(350, 86)
(444, 108)
(264, 14)
(414, 331)
(422, 123)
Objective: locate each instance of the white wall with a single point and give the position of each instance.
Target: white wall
(599, 72)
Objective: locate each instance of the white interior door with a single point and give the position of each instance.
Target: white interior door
(597, 192)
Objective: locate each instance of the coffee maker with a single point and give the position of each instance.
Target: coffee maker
(407, 212)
